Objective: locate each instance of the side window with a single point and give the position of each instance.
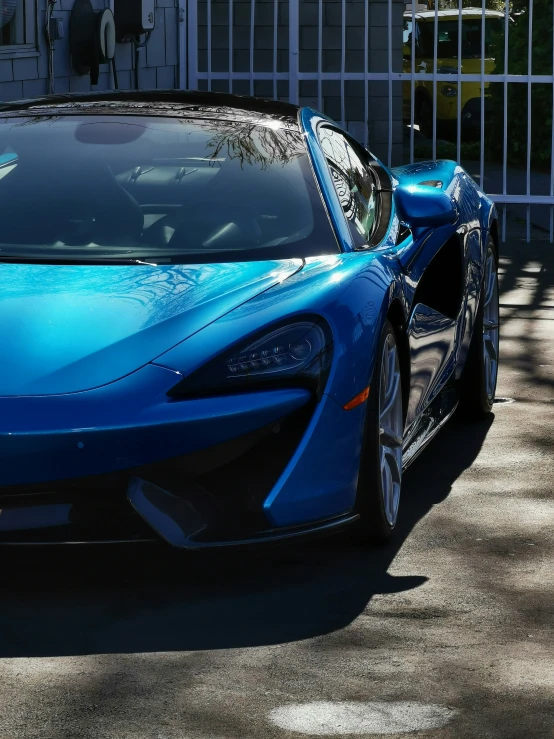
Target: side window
(353, 182)
(18, 24)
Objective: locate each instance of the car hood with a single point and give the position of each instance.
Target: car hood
(64, 329)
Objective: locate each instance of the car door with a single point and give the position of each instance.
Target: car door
(435, 270)
(435, 302)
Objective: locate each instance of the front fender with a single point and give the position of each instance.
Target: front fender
(352, 292)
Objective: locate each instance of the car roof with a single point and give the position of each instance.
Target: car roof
(170, 103)
(454, 13)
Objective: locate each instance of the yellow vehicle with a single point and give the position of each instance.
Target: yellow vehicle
(447, 62)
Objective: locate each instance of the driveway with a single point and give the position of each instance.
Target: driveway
(447, 631)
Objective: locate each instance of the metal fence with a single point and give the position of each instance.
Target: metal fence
(281, 49)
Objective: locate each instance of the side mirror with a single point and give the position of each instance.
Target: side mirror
(424, 206)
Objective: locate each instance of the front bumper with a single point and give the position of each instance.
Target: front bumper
(212, 498)
(126, 463)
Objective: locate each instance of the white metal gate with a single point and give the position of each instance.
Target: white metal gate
(521, 189)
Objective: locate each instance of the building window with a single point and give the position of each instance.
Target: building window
(18, 24)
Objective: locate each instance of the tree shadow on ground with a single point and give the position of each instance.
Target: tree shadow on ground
(90, 600)
(528, 268)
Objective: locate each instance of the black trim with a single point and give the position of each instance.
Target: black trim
(383, 223)
(385, 197)
(381, 173)
(174, 98)
(270, 536)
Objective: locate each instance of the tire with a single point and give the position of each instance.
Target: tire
(478, 382)
(380, 477)
(423, 115)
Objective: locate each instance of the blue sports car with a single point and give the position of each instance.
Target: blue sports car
(224, 321)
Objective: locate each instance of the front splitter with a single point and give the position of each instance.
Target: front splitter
(184, 523)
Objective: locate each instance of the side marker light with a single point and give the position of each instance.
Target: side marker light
(357, 400)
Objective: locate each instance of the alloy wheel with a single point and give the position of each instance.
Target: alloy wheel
(390, 429)
(490, 325)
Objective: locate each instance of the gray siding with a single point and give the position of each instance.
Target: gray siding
(377, 122)
(27, 77)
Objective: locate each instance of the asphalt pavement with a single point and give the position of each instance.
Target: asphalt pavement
(447, 632)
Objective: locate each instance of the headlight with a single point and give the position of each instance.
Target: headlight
(297, 354)
(449, 91)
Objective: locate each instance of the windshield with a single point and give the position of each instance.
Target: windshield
(447, 37)
(471, 37)
(157, 189)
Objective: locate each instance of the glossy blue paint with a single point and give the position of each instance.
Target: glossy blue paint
(89, 353)
(316, 483)
(442, 170)
(125, 424)
(64, 329)
(431, 336)
(352, 292)
(424, 206)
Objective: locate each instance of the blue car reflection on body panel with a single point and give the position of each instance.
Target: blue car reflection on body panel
(225, 321)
